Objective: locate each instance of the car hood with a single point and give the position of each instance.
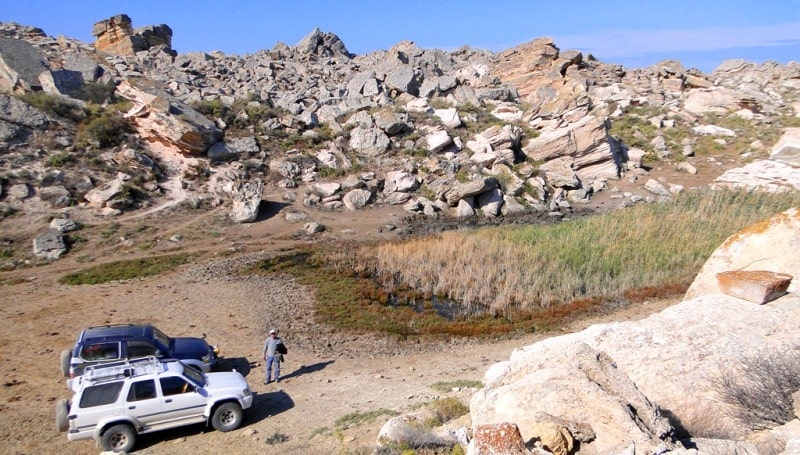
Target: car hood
(225, 380)
(189, 348)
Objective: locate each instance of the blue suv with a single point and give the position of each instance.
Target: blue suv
(112, 343)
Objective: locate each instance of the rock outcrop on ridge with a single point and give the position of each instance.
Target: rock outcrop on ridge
(475, 133)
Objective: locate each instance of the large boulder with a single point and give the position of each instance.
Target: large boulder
(370, 141)
(23, 68)
(472, 188)
(116, 35)
(246, 201)
(787, 149)
(577, 383)
(321, 44)
(162, 118)
(49, 244)
(762, 175)
(770, 245)
(595, 154)
(716, 100)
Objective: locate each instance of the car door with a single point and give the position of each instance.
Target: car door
(181, 404)
(143, 403)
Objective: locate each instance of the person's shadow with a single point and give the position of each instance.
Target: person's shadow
(305, 369)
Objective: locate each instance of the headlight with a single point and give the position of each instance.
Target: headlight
(247, 392)
(206, 358)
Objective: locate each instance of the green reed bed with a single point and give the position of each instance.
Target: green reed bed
(603, 256)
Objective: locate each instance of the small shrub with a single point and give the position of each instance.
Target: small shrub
(108, 129)
(276, 438)
(54, 105)
(759, 387)
(97, 92)
(445, 410)
(212, 109)
(58, 160)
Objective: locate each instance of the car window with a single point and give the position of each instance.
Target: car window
(174, 385)
(140, 349)
(101, 394)
(160, 337)
(142, 390)
(100, 351)
(194, 375)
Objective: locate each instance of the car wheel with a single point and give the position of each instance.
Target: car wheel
(118, 438)
(62, 411)
(227, 417)
(66, 356)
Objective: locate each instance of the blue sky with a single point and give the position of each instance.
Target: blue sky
(699, 33)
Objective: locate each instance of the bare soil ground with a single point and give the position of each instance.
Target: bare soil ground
(327, 374)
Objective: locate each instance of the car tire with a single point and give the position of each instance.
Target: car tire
(227, 417)
(118, 438)
(62, 412)
(66, 356)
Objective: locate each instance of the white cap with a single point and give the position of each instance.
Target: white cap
(271, 331)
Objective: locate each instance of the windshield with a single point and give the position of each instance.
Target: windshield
(193, 375)
(161, 338)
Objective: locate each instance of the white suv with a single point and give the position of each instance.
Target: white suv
(115, 402)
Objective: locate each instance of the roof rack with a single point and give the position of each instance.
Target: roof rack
(105, 372)
(127, 324)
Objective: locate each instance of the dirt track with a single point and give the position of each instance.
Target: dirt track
(327, 374)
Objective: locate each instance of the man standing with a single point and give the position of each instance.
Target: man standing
(272, 354)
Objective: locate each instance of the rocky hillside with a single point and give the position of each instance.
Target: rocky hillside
(126, 124)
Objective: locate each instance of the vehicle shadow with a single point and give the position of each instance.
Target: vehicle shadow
(240, 364)
(306, 369)
(267, 404)
(264, 405)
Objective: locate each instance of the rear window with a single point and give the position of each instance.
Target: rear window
(101, 394)
(100, 351)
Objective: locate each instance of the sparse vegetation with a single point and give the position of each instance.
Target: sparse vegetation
(244, 112)
(125, 270)
(448, 386)
(759, 387)
(355, 419)
(58, 160)
(445, 410)
(55, 105)
(634, 129)
(104, 129)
